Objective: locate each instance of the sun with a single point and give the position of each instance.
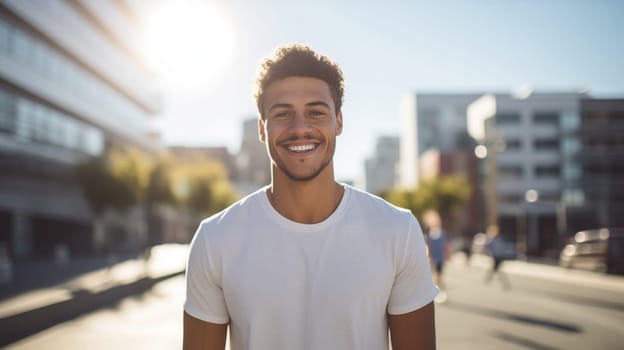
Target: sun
(188, 44)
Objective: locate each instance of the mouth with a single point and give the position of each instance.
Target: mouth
(301, 148)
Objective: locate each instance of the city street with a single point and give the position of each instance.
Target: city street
(546, 307)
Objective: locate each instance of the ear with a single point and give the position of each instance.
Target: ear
(339, 123)
(261, 133)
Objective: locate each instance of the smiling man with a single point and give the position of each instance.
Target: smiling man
(306, 262)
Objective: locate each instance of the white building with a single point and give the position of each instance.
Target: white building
(381, 170)
(531, 165)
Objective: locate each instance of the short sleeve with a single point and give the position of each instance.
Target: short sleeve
(413, 286)
(204, 294)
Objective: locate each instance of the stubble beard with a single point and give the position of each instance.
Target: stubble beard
(304, 178)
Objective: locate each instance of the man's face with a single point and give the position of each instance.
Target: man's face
(299, 127)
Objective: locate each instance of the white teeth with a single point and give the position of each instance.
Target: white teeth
(301, 148)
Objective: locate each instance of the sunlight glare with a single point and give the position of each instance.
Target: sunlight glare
(187, 43)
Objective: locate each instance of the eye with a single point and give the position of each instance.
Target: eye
(281, 114)
(316, 113)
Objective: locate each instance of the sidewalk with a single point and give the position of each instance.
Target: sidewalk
(35, 309)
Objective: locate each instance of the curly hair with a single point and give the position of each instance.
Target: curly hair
(299, 61)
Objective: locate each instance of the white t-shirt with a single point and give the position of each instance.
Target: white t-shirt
(286, 285)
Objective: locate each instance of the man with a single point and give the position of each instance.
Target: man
(307, 263)
(498, 250)
(439, 250)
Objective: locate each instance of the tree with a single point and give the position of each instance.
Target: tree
(114, 181)
(120, 179)
(159, 189)
(101, 187)
(445, 195)
(202, 186)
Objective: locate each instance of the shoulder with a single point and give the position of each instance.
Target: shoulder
(240, 212)
(372, 202)
(377, 209)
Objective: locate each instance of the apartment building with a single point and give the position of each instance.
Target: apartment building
(531, 174)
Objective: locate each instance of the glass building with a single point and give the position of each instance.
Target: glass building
(71, 84)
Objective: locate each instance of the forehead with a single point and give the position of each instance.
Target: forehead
(296, 90)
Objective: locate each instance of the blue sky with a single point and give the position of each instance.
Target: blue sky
(388, 49)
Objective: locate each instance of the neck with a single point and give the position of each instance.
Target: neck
(306, 202)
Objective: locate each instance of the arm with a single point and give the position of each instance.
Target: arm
(414, 330)
(201, 335)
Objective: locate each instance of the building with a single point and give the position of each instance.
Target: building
(381, 170)
(531, 171)
(253, 163)
(601, 186)
(70, 85)
(431, 120)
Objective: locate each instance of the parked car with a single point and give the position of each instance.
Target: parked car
(598, 249)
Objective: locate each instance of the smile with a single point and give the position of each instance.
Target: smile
(301, 148)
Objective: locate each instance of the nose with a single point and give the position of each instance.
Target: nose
(299, 123)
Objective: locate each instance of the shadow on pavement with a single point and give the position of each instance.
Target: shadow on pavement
(593, 302)
(555, 325)
(527, 343)
(45, 273)
(20, 326)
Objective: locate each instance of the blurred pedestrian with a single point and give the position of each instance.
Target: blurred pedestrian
(466, 248)
(439, 250)
(499, 252)
(306, 262)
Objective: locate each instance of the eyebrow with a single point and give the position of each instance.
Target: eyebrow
(309, 104)
(318, 103)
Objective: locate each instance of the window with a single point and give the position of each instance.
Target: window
(507, 118)
(51, 64)
(39, 123)
(5, 35)
(510, 198)
(547, 170)
(510, 171)
(7, 111)
(428, 113)
(513, 144)
(23, 119)
(546, 144)
(546, 118)
(550, 197)
(34, 122)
